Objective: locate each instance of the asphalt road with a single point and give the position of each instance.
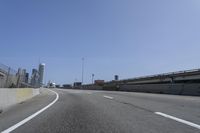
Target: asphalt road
(78, 111)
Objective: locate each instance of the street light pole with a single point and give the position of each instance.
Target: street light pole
(92, 78)
(82, 70)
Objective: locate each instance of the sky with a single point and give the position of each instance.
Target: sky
(129, 38)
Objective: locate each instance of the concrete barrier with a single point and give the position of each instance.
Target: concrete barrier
(92, 87)
(9, 97)
(192, 89)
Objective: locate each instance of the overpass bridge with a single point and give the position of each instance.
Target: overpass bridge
(179, 83)
(188, 76)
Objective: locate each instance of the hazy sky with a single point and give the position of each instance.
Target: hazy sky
(125, 37)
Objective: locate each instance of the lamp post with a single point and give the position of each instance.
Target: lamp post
(82, 70)
(92, 78)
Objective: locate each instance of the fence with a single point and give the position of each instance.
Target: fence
(10, 78)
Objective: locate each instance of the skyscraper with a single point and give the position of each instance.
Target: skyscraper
(23, 75)
(35, 78)
(41, 73)
(27, 78)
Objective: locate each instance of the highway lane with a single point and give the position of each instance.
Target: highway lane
(78, 111)
(22, 110)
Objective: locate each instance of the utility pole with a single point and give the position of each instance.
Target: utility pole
(82, 70)
(92, 78)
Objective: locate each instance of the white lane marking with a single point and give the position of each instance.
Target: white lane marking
(77, 91)
(108, 97)
(178, 119)
(32, 116)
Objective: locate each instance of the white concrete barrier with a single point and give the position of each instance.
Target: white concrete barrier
(192, 89)
(12, 96)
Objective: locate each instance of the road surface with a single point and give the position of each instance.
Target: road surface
(87, 111)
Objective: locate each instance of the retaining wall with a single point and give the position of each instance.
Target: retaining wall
(12, 96)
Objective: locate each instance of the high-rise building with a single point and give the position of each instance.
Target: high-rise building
(26, 78)
(35, 78)
(116, 77)
(41, 74)
(23, 76)
(19, 77)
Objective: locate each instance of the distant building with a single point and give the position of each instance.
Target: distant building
(99, 82)
(57, 86)
(23, 76)
(41, 73)
(19, 77)
(67, 86)
(116, 77)
(77, 84)
(35, 78)
(27, 78)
